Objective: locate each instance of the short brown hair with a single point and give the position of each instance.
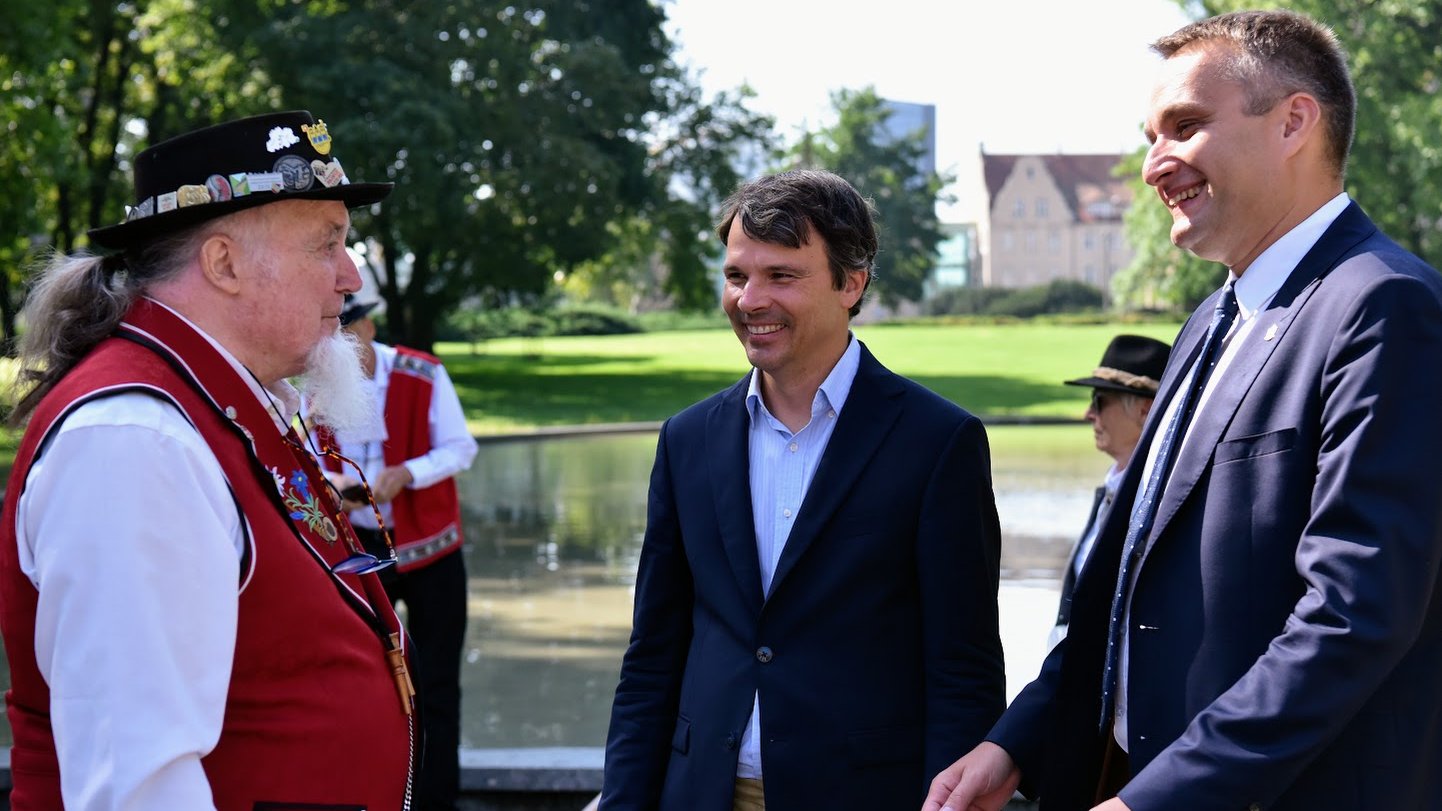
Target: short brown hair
(786, 208)
(1276, 54)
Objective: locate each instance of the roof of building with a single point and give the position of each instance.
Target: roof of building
(1084, 180)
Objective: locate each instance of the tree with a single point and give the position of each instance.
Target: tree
(886, 169)
(66, 91)
(1395, 167)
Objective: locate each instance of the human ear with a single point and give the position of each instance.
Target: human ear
(220, 257)
(1301, 115)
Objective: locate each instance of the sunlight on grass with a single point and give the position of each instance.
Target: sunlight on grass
(991, 370)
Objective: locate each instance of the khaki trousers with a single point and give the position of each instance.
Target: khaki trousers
(749, 795)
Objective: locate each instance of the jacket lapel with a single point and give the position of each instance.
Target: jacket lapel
(871, 409)
(727, 446)
(1270, 330)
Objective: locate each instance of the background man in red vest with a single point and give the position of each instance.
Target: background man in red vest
(410, 453)
(182, 626)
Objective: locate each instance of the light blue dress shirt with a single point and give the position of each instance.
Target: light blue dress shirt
(782, 465)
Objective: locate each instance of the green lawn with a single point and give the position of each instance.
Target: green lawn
(518, 384)
(992, 370)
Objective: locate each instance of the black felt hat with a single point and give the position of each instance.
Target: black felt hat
(1131, 363)
(354, 309)
(232, 166)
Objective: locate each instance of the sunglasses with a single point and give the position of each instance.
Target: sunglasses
(1100, 400)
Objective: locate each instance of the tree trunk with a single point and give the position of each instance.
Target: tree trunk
(420, 322)
(105, 161)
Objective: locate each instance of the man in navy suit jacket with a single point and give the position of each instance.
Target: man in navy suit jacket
(1282, 636)
(815, 619)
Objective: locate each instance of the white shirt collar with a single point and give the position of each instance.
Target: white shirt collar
(1269, 272)
(833, 391)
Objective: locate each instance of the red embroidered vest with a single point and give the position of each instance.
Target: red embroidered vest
(426, 523)
(428, 520)
(314, 712)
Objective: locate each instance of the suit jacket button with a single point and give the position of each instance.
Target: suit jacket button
(731, 742)
(763, 654)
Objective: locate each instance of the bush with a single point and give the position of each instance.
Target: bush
(519, 322)
(963, 300)
(591, 321)
(1060, 296)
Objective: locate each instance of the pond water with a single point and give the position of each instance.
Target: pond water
(553, 534)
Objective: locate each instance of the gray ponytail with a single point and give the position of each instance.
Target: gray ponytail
(77, 301)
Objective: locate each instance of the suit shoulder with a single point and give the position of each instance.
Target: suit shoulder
(693, 417)
(922, 402)
(1378, 259)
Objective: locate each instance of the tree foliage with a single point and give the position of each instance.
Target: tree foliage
(1395, 168)
(524, 138)
(886, 169)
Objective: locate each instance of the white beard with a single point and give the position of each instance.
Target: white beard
(334, 385)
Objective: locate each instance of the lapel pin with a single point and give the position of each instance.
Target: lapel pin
(1271, 333)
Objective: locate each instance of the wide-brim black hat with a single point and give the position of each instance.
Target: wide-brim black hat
(1131, 363)
(233, 166)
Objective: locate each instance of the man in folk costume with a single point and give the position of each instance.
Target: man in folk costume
(410, 454)
(190, 621)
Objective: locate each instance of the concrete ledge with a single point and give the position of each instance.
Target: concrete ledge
(559, 768)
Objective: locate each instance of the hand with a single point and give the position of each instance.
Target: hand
(1114, 804)
(341, 482)
(389, 482)
(983, 780)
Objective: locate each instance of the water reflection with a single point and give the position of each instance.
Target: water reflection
(553, 534)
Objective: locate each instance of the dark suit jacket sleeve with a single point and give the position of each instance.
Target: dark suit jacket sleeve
(643, 716)
(1369, 558)
(958, 557)
(1022, 729)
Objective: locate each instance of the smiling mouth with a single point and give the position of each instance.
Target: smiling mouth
(1173, 202)
(762, 329)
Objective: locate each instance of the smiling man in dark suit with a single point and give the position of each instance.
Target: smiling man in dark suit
(815, 620)
(1260, 625)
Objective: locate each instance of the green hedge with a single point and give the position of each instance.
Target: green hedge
(1060, 296)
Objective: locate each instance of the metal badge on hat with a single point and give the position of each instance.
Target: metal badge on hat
(219, 188)
(295, 172)
(319, 136)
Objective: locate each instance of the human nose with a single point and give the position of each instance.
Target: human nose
(1158, 163)
(753, 296)
(348, 278)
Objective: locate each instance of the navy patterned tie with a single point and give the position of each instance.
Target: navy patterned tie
(1145, 511)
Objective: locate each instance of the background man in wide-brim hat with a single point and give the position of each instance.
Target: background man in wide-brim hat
(211, 638)
(1123, 386)
(411, 451)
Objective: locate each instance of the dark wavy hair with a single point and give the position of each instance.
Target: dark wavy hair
(787, 208)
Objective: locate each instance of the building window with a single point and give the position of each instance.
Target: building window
(1053, 241)
(1019, 210)
(1089, 241)
(1030, 172)
(1041, 207)
(1091, 274)
(1031, 242)
(1007, 242)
